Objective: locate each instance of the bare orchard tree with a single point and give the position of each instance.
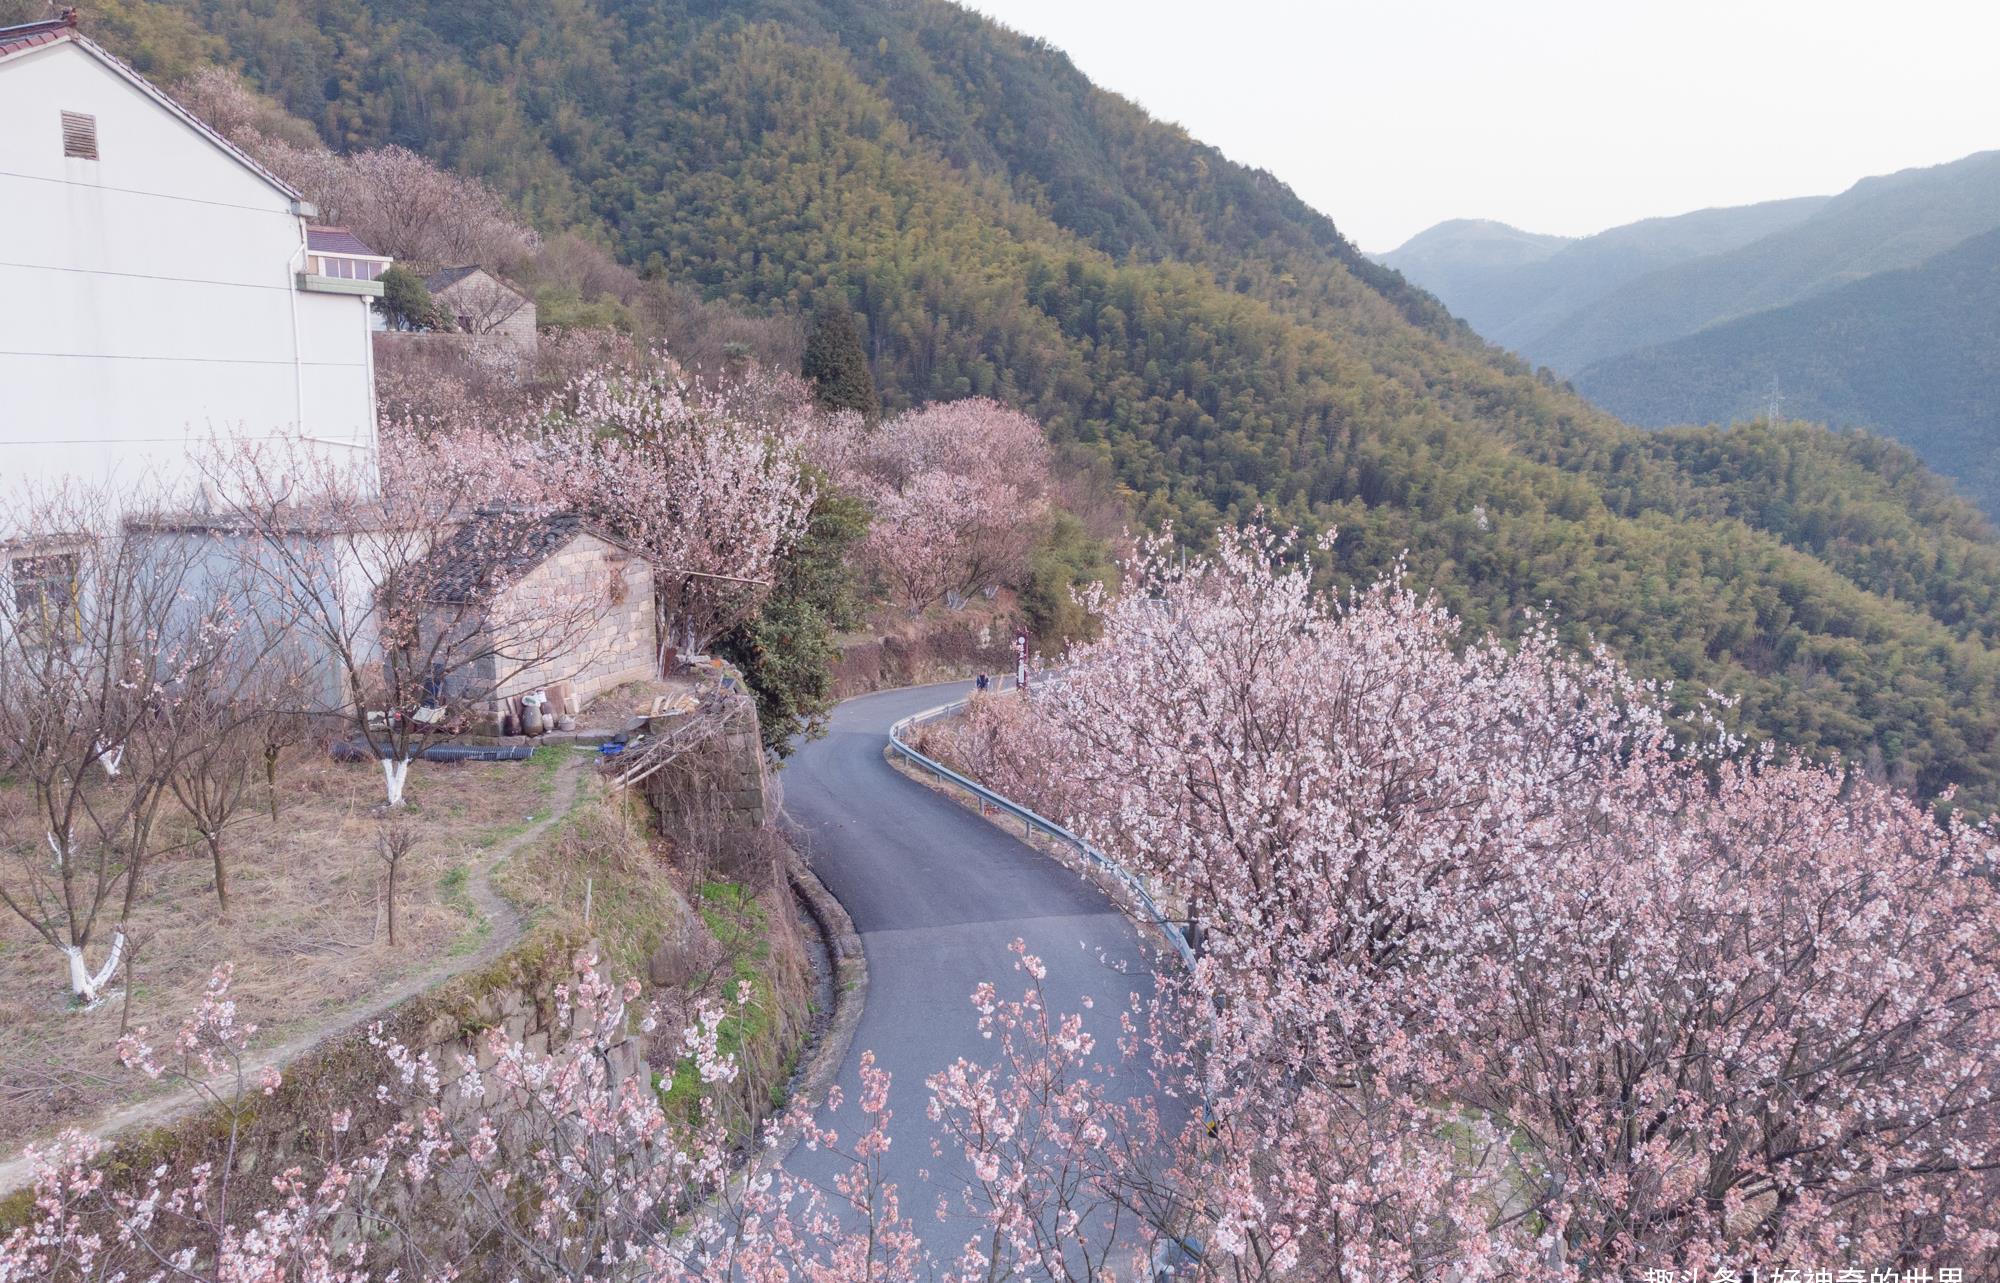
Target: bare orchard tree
(101, 634)
(279, 723)
(229, 718)
(416, 593)
(211, 777)
(394, 843)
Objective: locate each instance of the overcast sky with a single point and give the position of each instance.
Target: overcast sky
(1554, 115)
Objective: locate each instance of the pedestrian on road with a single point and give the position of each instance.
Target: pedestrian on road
(980, 684)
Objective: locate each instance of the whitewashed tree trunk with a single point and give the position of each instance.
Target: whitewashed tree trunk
(394, 772)
(88, 988)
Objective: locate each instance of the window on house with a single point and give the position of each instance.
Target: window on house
(346, 269)
(45, 592)
(79, 135)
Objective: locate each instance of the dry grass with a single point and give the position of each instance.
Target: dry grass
(305, 931)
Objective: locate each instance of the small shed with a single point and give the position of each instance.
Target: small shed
(484, 305)
(559, 559)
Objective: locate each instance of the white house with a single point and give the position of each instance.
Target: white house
(161, 287)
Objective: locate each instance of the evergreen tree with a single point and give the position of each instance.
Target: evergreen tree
(835, 363)
(407, 305)
(787, 652)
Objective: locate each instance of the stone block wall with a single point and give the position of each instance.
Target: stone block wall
(618, 647)
(518, 329)
(713, 798)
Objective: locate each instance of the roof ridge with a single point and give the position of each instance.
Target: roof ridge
(65, 19)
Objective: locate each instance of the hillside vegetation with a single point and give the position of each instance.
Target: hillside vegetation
(1003, 228)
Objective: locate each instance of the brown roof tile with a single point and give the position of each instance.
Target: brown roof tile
(337, 240)
(30, 34)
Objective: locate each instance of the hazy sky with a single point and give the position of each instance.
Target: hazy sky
(1554, 115)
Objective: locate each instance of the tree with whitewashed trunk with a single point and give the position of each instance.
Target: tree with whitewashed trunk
(103, 633)
(410, 585)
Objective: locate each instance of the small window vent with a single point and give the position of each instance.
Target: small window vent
(79, 135)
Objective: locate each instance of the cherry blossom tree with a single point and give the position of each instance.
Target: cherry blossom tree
(556, 1165)
(1063, 1166)
(401, 204)
(1497, 976)
(958, 489)
(706, 483)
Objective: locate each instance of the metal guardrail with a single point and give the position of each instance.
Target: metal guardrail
(1032, 824)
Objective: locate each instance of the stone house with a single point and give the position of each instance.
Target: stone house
(559, 560)
(485, 306)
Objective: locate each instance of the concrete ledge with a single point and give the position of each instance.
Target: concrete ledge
(311, 284)
(850, 992)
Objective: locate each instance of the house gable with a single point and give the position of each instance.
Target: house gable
(482, 303)
(145, 140)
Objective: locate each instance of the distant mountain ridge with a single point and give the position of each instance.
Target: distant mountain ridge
(1879, 224)
(1512, 300)
(1874, 309)
(1915, 351)
(1468, 262)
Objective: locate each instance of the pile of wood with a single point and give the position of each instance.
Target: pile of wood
(666, 739)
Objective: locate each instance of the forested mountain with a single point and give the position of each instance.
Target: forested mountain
(1879, 224)
(1470, 263)
(1914, 353)
(1002, 227)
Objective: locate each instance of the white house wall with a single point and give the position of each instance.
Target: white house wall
(151, 297)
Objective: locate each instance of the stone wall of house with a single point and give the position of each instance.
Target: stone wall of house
(518, 329)
(619, 646)
(482, 296)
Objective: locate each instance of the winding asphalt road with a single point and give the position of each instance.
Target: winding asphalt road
(937, 895)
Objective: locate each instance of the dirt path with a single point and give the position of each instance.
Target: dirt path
(504, 932)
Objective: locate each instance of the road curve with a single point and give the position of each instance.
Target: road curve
(937, 895)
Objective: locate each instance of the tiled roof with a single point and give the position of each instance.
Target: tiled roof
(337, 240)
(30, 34)
(445, 278)
(492, 551)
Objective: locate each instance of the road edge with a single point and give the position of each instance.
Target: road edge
(850, 989)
